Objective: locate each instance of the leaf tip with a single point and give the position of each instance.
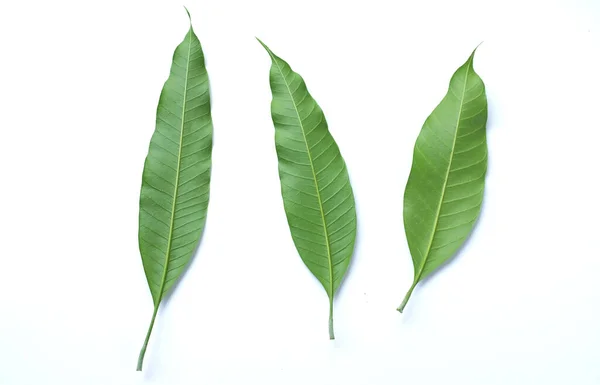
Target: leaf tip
(271, 54)
(263, 44)
(188, 13)
(475, 50)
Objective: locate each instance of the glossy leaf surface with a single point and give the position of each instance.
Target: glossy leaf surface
(445, 188)
(317, 196)
(176, 177)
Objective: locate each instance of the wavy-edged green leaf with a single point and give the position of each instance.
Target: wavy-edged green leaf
(445, 188)
(175, 182)
(317, 196)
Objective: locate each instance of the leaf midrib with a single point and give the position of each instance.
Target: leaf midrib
(178, 170)
(312, 167)
(439, 208)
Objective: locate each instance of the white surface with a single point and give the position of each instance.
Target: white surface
(79, 83)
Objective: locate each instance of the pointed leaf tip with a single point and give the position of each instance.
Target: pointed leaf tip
(271, 54)
(189, 16)
(475, 50)
(263, 44)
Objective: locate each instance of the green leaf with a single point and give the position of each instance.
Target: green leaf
(175, 182)
(445, 188)
(317, 196)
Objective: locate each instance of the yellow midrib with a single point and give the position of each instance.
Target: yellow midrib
(312, 167)
(439, 209)
(178, 169)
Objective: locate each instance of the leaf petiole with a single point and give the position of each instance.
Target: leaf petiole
(140, 362)
(407, 297)
(331, 334)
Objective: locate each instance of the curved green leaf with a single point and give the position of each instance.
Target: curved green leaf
(175, 182)
(317, 196)
(445, 188)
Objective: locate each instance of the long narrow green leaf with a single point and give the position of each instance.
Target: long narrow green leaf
(315, 186)
(175, 182)
(445, 188)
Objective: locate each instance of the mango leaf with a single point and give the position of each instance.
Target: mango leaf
(445, 188)
(175, 182)
(317, 196)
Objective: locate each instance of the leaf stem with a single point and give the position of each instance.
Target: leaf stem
(407, 296)
(331, 334)
(143, 351)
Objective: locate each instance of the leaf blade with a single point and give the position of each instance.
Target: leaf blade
(444, 191)
(315, 186)
(175, 182)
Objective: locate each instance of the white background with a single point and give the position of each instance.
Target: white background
(79, 84)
